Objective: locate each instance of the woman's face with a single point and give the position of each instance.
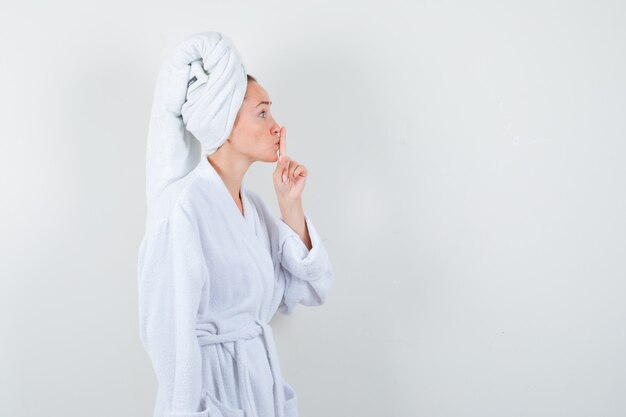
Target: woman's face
(255, 131)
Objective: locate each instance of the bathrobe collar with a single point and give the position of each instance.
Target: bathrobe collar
(206, 170)
(246, 223)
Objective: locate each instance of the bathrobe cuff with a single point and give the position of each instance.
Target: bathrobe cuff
(303, 263)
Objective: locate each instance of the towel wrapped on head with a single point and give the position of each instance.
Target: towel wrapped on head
(199, 91)
(215, 90)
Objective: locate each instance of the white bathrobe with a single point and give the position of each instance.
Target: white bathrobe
(209, 281)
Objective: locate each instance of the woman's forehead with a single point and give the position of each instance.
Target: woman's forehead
(255, 94)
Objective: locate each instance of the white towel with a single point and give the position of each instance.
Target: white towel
(199, 91)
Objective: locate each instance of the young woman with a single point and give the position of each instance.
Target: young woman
(215, 264)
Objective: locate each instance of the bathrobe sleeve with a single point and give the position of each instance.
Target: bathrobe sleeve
(308, 274)
(172, 274)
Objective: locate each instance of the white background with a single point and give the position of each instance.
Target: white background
(467, 169)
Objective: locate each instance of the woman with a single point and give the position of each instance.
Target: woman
(215, 264)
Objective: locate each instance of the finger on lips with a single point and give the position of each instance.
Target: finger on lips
(283, 160)
(283, 141)
(285, 167)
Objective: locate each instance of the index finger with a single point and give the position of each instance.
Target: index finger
(283, 141)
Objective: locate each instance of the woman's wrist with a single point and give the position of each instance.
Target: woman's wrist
(291, 210)
(293, 215)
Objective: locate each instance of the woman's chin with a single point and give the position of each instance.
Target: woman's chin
(273, 157)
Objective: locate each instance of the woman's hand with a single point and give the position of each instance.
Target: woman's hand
(289, 175)
(289, 191)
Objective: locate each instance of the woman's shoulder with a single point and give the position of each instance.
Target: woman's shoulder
(174, 203)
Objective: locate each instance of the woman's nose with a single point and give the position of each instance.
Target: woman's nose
(275, 129)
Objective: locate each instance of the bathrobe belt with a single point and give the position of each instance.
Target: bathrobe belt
(240, 337)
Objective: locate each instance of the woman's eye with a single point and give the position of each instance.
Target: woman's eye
(263, 112)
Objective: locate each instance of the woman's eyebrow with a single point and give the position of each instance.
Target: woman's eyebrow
(264, 102)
